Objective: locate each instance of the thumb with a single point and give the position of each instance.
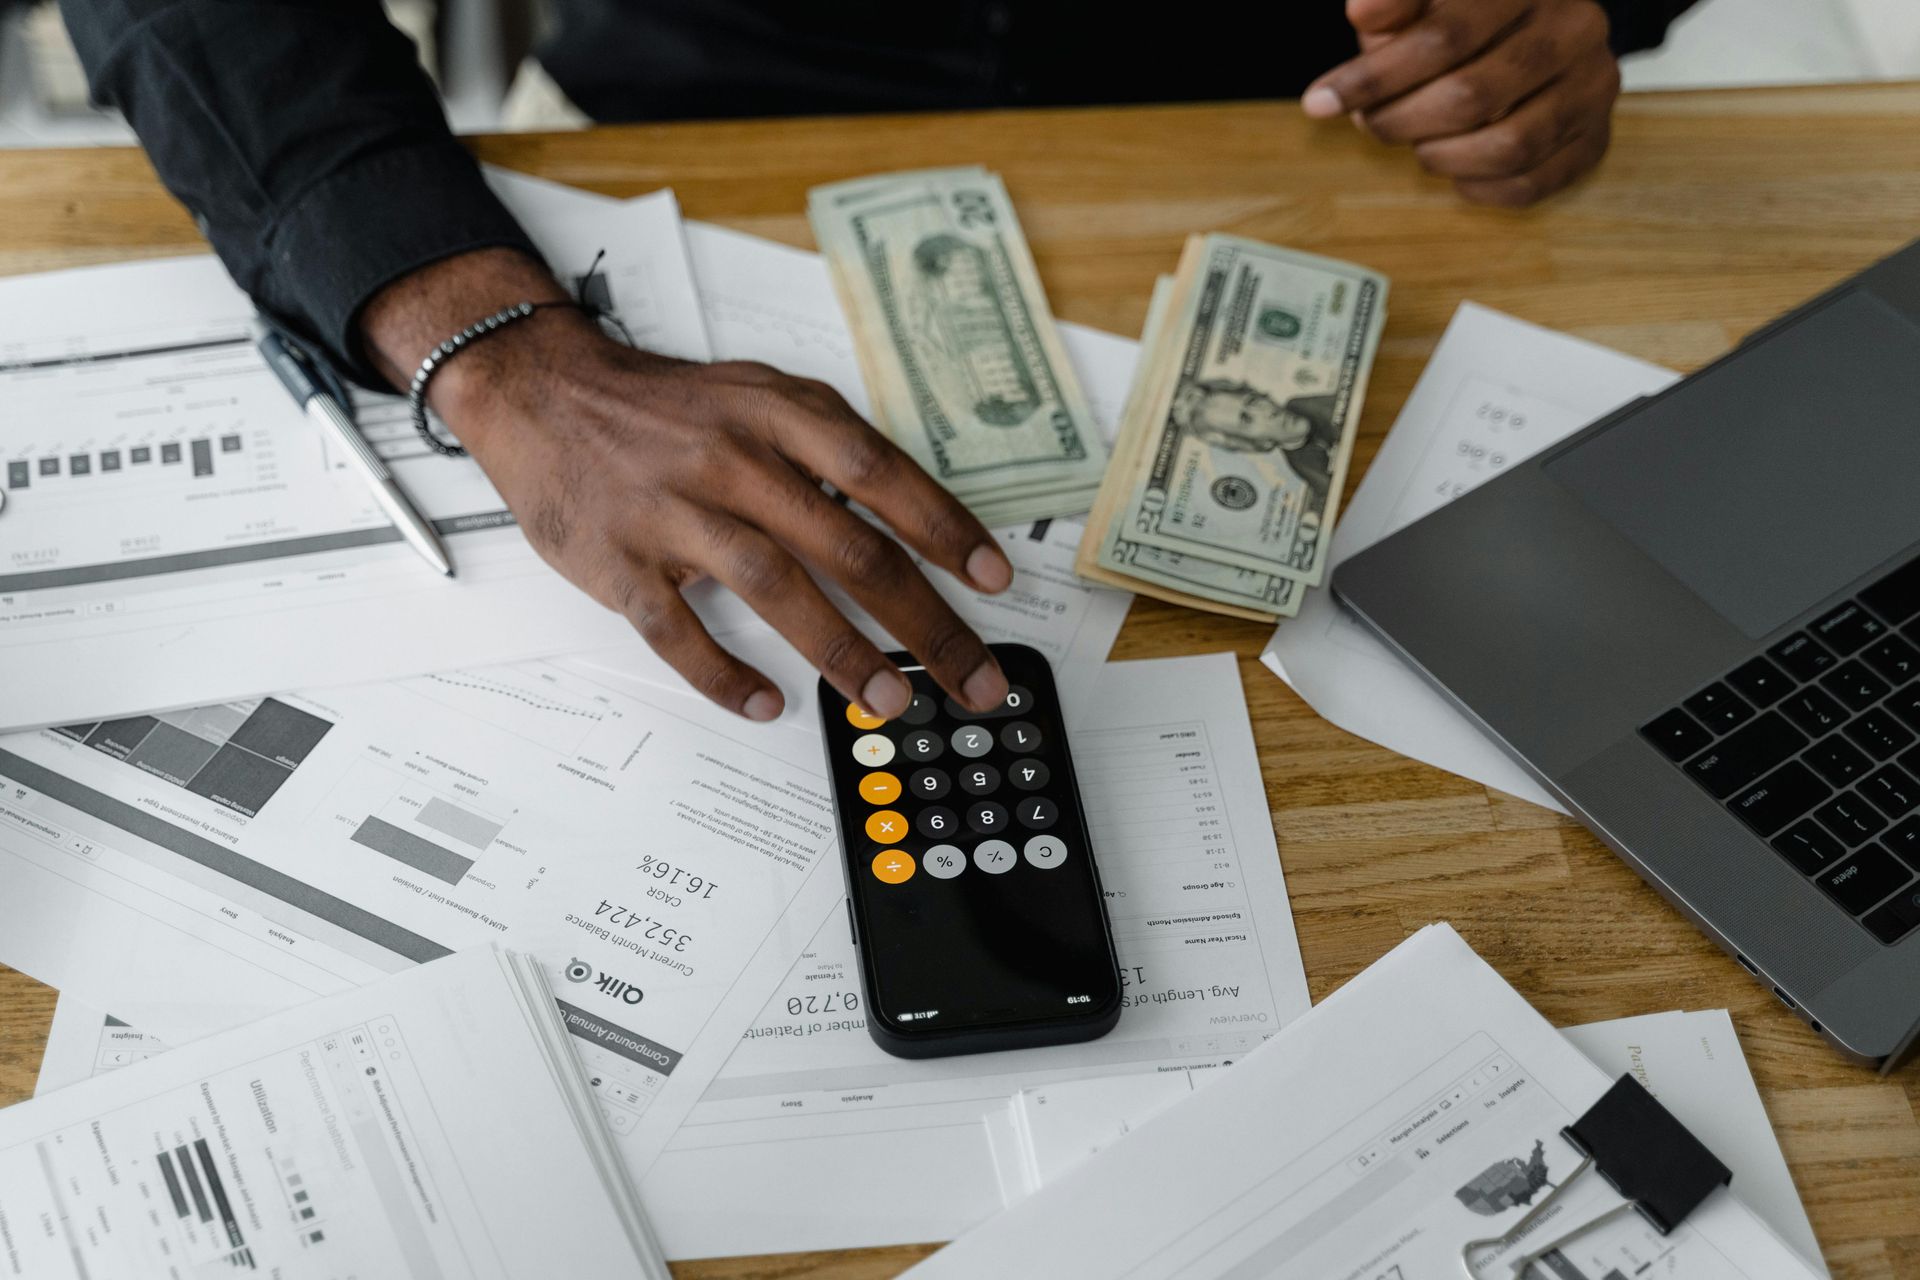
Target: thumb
(1377, 17)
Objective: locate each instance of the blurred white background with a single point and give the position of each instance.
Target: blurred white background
(474, 48)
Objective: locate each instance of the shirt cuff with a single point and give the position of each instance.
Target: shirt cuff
(366, 225)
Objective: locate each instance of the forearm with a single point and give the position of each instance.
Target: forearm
(306, 140)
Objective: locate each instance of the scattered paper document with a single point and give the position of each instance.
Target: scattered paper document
(178, 533)
(1415, 1109)
(1496, 391)
(432, 1124)
(1177, 809)
(1692, 1062)
(664, 859)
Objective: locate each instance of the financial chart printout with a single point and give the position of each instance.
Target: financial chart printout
(176, 531)
(193, 868)
(414, 1128)
(1415, 1110)
(1207, 951)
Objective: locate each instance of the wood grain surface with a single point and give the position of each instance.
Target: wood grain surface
(1714, 212)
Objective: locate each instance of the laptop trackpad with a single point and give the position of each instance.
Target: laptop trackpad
(1786, 473)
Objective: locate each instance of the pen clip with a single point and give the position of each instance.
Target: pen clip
(315, 364)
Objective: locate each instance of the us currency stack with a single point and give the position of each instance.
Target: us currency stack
(956, 342)
(1233, 448)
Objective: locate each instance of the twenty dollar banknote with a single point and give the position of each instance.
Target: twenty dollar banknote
(1234, 447)
(956, 342)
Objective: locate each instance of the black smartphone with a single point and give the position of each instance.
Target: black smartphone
(972, 891)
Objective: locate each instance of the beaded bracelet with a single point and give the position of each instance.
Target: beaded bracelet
(417, 391)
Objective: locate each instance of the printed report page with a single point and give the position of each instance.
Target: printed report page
(1417, 1109)
(1178, 815)
(411, 1128)
(193, 869)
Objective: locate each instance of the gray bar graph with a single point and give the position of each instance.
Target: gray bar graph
(450, 819)
(18, 475)
(202, 457)
(404, 846)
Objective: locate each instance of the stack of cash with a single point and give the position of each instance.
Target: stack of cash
(956, 342)
(1234, 443)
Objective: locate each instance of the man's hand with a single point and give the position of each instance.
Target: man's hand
(634, 474)
(1512, 99)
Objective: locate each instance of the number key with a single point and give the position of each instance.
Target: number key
(971, 741)
(1029, 775)
(1038, 813)
(987, 818)
(1020, 736)
(936, 822)
(922, 745)
(979, 779)
(928, 784)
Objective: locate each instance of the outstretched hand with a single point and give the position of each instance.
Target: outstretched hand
(1511, 99)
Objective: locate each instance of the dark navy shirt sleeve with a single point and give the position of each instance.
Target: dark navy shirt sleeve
(306, 140)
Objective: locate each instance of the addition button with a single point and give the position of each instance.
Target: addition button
(873, 749)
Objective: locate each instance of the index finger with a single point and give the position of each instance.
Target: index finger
(832, 442)
(1444, 38)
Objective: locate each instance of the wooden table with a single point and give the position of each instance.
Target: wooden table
(1714, 212)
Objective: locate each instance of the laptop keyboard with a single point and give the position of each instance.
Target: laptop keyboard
(1815, 745)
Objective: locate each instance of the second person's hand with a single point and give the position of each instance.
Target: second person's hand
(634, 474)
(1511, 99)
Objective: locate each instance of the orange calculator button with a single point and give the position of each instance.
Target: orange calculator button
(893, 866)
(879, 788)
(886, 827)
(860, 718)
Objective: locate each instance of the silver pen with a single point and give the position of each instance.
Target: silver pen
(324, 408)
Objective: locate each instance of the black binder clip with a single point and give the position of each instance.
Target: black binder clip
(1660, 1169)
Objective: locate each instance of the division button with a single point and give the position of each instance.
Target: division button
(979, 779)
(921, 710)
(860, 718)
(1020, 736)
(893, 866)
(944, 861)
(879, 788)
(971, 741)
(922, 745)
(886, 827)
(928, 784)
(1029, 775)
(1037, 814)
(1046, 852)
(936, 822)
(995, 857)
(872, 749)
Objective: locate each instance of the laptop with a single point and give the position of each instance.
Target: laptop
(1697, 623)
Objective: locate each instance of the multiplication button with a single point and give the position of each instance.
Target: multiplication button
(995, 857)
(944, 861)
(1046, 852)
(884, 826)
(873, 749)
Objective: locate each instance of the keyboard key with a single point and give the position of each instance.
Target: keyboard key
(1893, 658)
(1848, 628)
(988, 818)
(1855, 685)
(1677, 735)
(928, 784)
(1865, 879)
(1906, 705)
(1898, 918)
(1838, 761)
(1762, 683)
(1780, 797)
(1814, 711)
(1851, 819)
(1745, 754)
(936, 822)
(1896, 597)
(1893, 791)
(1802, 656)
(1904, 840)
(1719, 708)
(1911, 762)
(1879, 734)
(1807, 846)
